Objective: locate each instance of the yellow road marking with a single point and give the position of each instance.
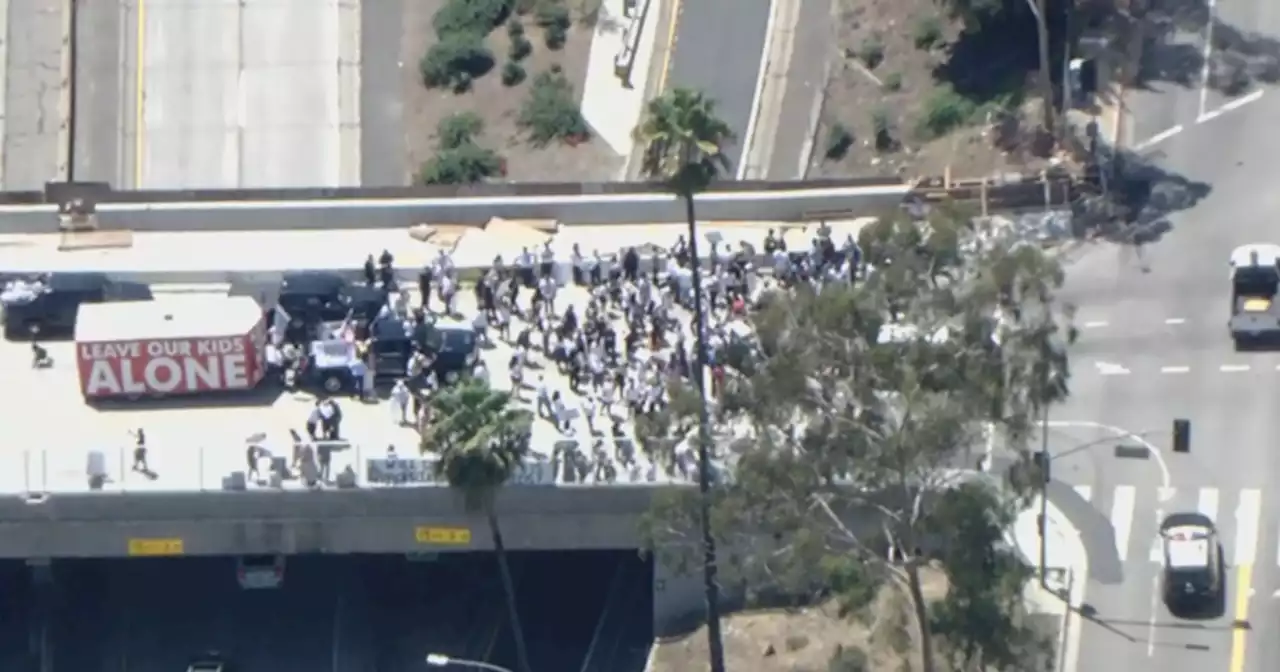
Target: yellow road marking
(1244, 581)
(140, 80)
(671, 46)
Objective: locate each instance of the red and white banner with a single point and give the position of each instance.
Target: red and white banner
(169, 366)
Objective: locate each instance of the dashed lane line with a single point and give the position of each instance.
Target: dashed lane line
(1175, 321)
(1175, 369)
(1233, 368)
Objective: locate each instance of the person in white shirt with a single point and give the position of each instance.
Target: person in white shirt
(542, 399)
(589, 412)
(400, 402)
(548, 286)
(480, 324)
(524, 264)
(449, 295)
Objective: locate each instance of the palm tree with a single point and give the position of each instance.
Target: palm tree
(683, 140)
(481, 440)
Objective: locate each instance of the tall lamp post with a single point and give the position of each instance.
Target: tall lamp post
(441, 660)
(1046, 83)
(711, 587)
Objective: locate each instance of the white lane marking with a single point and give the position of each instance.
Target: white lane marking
(1110, 369)
(1120, 432)
(1096, 324)
(1233, 368)
(1165, 493)
(1122, 517)
(1085, 492)
(1175, 320)
(1175, 369)
(1232, 105)
(1156, 553)
(1248, 516)
(1158, 138)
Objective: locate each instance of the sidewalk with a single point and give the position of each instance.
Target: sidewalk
(611, 106)
(1066, 574)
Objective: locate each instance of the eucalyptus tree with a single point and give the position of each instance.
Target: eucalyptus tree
(864, 405)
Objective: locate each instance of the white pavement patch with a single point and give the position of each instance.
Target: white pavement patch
(1111, 369)
(1248, 516)
(1122, 505)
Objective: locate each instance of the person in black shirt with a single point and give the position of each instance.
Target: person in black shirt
(631, 264)
(370, 272)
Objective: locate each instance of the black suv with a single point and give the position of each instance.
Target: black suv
(313, 297)
(451, 343)
(49, 306)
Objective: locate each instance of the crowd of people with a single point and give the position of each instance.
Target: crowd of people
(619, 327)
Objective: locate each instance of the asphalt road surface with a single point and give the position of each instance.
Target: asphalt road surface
(32, 82)
(367, 613)
(717, 51)
(218, 94)
(1154, 347)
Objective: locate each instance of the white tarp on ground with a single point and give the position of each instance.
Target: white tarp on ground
(506, 237)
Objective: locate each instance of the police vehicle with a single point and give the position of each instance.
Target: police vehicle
(1193, 574)
(1255, 283)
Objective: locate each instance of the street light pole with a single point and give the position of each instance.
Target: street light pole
(1046, 81)
(441, 660)
(1044, 496)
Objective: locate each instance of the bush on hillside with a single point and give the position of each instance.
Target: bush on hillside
(455, 61)
(470, 16)
(467, 163)
(550, 112)
(458, 129)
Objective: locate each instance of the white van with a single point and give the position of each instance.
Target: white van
(257, 572)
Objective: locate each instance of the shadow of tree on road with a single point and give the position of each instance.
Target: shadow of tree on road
(1173, 50)
(1141, 196)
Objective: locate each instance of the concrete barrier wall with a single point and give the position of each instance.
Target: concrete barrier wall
(779, 205)
(362, 521)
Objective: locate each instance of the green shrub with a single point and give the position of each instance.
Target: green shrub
(882, 126)
(512, 74)
(550, 112)
(458, 129)
(520, 49)
(944, 111)
(839, 140)
(470, 16)
(465, 164)
(871, 52)
(553, 14)
(455, 61)
(555, 38)
(927, 33)
(515, 28)
(893, 82)
(554, 18)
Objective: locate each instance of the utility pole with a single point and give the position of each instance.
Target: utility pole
(1046, 80)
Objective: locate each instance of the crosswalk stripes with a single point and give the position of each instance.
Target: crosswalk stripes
(1134, 516)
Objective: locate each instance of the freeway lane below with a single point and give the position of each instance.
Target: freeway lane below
(106, 69)
(30, 117)
(244, 94)
(718, 50)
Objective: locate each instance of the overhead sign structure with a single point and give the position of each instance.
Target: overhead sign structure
(156, 548)
(443, 536)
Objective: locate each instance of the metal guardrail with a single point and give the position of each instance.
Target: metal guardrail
(39, 471)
